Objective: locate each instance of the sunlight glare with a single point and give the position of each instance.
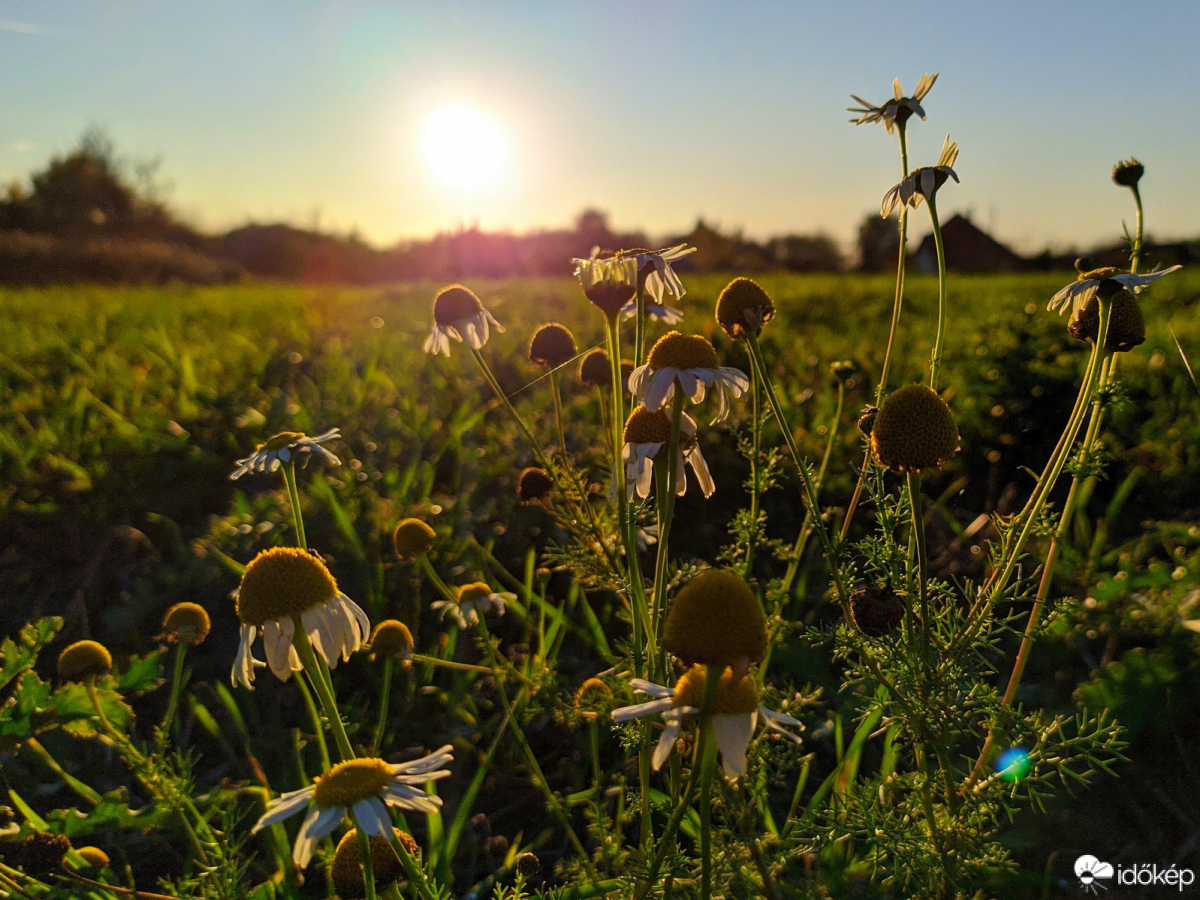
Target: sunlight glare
(464, 147)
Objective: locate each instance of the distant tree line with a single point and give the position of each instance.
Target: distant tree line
(89, 216)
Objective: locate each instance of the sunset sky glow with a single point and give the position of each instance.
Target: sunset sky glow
(656, 113)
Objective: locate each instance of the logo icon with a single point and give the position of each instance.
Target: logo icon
(1092, 873)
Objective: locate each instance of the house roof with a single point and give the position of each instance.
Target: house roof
(968, 249)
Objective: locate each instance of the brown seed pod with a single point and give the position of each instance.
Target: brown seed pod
(743, 306)
(534, 484)
(1128, 172)
(914, 431)
(1126, 325)
(552, 345)
(876, 610)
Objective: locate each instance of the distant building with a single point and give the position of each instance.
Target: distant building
(968, 249)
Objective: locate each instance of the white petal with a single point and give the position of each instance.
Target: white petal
(693, 382)
(733, 732)
(470, 333)
(639, 380)
(283, 807)
(372, 816)
(1060, 301)
(641, 710)
(703, 476)
(403, 797)
(649, 687)
(776, 722)
(660, 389)
(245, 663)
(1137, 282)
(666, 742)
(281, 655)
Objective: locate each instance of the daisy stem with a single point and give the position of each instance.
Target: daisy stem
(364, 858)
(755, 463)
(558, 416)
(918, 526)
(897, 304)
(318, 725)
(416, 875)
(935, 364)
(1136, 256)
(451, 664)
(708, 770)
(176, 687)
(438, 584)
(308, 659)
(666, 512)
(384, 696)
(289, 479)
(503, 397)
(810, 492)
(1045, 484)
(639, 331)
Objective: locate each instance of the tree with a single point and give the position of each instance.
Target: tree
(878, 243)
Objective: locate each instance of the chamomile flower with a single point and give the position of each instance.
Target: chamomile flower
(896, 111)
(611, 281)
(1105, 282)
(689, 361)
(646, 433)
(734, 718)
(368, 787)
(458, 314)
(285, 446)
(279, 586)
(922, 183)
(473, 599)
(716, 620)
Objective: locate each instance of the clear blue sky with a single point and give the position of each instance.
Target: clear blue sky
(657, 112)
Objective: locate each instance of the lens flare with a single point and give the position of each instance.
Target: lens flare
(1014, 764)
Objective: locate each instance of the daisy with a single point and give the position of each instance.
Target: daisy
(284, 584)
(646, 433)
(1105, 282)
(735, 715)
(458, 314)
(283, 447)
(472, 600)
(896, 111)
(366, 786)
(611, 282)
(690, 361)
(923, 182)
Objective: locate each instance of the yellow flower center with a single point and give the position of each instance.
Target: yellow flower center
(470, 593)
(281, 440)
(281, 582)
(453, 304)
(186, 623)
(1100, 274)
(742, 296)
(94, 857)
(391, 637)
(84, 658)
(350, 781)
(914, 430)
(716, 619)
(552, 345)
(683, 351)
(645, 427)
(412, 537)
(732, 697)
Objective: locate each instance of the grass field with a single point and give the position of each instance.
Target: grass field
(122, 411)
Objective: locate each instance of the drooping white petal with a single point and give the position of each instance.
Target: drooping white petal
(245, 663)
(660, 389)
(281, 655)
(372, 816)
(469, 328)
(1079, 291)
(402, 796)
(438, 341)
(733, 732)
(641, 710)
(777, 721)
(666, 742)
(693, 382)
(284, 807)
(1136, 282)
(320, 823)
(442, 756)
(642, 686)
(639, 380)
(700, 467)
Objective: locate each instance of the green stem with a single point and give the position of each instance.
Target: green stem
(1136, 256)
(755, 464)
(936, 361)
(810, 492)
(364, 858)
(708, 769)
(308, 659)
(85, 791)
(639, 330)
(416, 875)
(289, 479)
(918, 526)
(666, 514)
(558, 415)
(439, 585)
(315, 718)
(452, 664)
(176, 686)
(385, 693)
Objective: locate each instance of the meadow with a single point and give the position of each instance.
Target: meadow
(122, 412)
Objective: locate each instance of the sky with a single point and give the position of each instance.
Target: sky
(657, 113)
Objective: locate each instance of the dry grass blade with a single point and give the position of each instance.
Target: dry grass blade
(1187, 365)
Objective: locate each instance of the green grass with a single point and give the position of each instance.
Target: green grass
(122, 410)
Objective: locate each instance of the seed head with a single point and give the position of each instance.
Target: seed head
(82, 659)
(496, 846)
(350, 781)
(717, 620)
(411, 538)
(283, 582)
(594, 696)
(1128, 172)
(683, 351)
(876, 610)
(534, 484)
(42, 853)
(391, 638)
(453, 304)
(914, 431)
(645, 427)
(346, 870)
(742, 306)
(733, 697)
(186, 623)
(1126, 325)
(843, 370)
(528, 865)
(595, 370)
(552, 345)
(94, 857)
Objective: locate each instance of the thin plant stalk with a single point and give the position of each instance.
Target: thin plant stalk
(1136, 255)
(708, 770)
(639, 330)
(289, 479)
(364, 858)
(385, 693)
(176, 687)
(558, 415)
(918, 526)
(935, 363)
(315, 717)
(668, 486)
(755, 463)
(809, 494)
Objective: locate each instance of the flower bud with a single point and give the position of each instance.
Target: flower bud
(914, 431)
(411, 538)
(83, 659)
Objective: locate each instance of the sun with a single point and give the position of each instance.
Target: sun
(465, 148)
